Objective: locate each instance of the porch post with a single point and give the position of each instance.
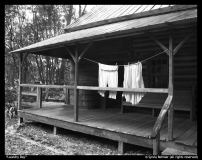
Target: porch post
(20, 119)
(39, 97)
(170, 90)
(75, 85)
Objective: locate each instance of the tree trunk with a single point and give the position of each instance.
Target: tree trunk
(47, 73)
(25, 66)
(83, 12)
(69, 17)
(62, 72)
(39, 70)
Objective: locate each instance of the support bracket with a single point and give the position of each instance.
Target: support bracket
(183, 41)
(70, 53)
(84, 51)
(159, 43)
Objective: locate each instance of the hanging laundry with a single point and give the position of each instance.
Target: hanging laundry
(108, 75)
(127, 82)
(133, 79)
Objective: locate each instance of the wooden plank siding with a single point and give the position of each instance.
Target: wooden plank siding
(138, 48)
(185, 60)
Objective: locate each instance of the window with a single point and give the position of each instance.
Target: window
(159, 73)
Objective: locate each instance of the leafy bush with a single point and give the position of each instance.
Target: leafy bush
(10, 94)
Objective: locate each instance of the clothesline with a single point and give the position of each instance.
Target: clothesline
(132, 63)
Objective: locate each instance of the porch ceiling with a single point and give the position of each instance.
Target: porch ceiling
(112, 30)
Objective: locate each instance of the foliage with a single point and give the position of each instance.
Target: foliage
(10, 94)
(28, 24)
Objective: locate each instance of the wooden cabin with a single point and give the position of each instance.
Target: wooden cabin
(164, 39)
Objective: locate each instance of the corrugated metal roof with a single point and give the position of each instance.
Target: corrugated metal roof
(113, 27)
(104, 12)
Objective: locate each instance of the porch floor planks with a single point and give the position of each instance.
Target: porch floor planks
(139, 124)
(171, 151)
(109, 122)
(164, 130)
(98, 121)
(52, 110)
(191, 140)
(176, 130)
(141, 129)
(101, 122)
(98, 114)
(182, 130)
(187, 134)
(101, 112)
(125, 124)
(58, 113)
(85, 116)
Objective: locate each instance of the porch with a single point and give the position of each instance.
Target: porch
(132, 127)
(127, 44)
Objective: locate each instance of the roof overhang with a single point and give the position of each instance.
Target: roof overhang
(114, 30)
(177, 8)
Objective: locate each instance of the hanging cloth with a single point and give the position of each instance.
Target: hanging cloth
(108, 75)
(133, 79)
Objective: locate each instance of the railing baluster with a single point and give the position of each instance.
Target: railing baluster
(39, 97)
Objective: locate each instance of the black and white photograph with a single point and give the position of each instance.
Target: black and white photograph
(101, 80)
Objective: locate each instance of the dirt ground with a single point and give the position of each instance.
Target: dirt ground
(33, 138)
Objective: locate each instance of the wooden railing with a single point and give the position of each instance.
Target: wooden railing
(155, 134)
(46, 86)
(154, 90)
(33, 93)
(39, 92)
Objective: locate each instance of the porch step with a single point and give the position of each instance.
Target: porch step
(171, 151)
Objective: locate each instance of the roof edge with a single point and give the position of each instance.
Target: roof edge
(132, 16)
(117, 34)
